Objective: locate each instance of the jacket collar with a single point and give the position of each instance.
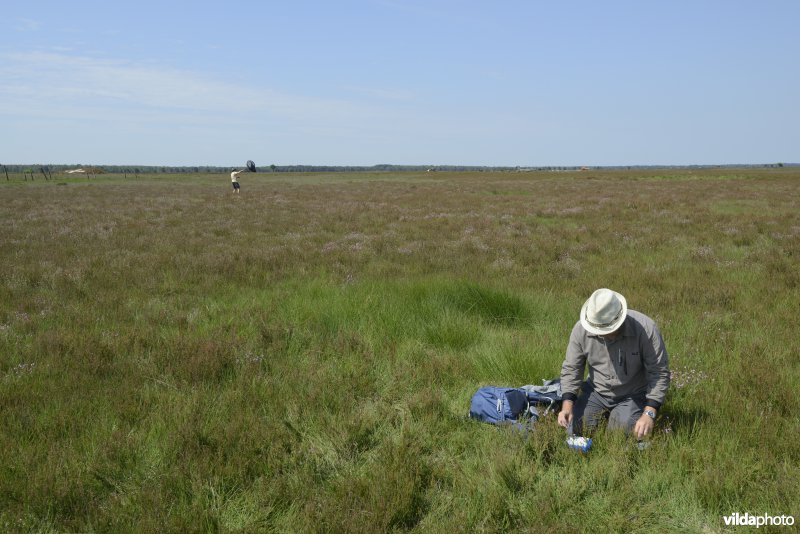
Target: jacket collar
(628, 329)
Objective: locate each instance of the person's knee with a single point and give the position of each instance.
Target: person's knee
(617, 423)
(587, 421)
(588, 413)
(592, 420)
(624, 417)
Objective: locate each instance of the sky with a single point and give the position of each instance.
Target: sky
(417, 82)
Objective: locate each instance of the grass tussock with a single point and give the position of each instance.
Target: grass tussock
(301, 357)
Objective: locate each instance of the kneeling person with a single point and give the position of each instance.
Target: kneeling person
(628, 368)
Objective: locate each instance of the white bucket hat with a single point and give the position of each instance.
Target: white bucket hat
(604, 312)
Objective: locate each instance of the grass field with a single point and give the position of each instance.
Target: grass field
(301, 358)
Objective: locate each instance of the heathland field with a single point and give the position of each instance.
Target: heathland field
(301, 358)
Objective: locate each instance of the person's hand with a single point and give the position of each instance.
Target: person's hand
(643, 427)
(565, 415)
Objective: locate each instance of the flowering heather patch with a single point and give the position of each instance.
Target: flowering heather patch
(683, 377)
(23, 368)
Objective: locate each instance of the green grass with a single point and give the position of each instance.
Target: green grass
(301, 358)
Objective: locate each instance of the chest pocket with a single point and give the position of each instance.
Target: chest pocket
(632, 363)
(627, 363)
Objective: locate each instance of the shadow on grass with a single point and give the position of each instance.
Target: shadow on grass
(681, 421)
(492, 305)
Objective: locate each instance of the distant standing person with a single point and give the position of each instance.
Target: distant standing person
(628, 368)
(235, 180)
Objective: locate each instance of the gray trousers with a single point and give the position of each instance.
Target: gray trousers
(591, 408)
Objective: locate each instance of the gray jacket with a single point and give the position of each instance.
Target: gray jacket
(633, 364)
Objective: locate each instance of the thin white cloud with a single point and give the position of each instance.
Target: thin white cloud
(27, 25)
(42, 80)
(114, 103)
(381, 93)
(411, 8)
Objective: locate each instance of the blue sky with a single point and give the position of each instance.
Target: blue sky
(403, 82)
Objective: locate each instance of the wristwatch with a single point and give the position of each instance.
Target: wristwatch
(650, 413)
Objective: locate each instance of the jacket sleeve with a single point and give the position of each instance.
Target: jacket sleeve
(656, 362)
(574, 365)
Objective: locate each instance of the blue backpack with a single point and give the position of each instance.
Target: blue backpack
(498, 405)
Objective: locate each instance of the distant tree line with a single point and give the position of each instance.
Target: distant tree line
(204, 169)
(46, 171)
